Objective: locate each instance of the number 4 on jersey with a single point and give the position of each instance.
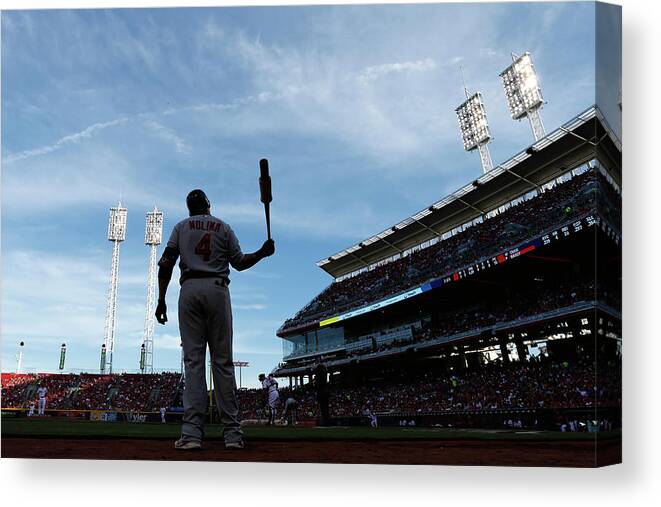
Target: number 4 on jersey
(203, 247)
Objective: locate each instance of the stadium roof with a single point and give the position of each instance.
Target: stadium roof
(583, 138)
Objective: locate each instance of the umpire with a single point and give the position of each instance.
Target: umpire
(207, 247)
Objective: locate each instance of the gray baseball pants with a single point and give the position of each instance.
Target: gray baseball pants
(205, 317)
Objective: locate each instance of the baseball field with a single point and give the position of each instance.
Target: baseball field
(71, 439)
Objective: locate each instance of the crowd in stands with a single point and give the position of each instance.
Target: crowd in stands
(555, 206)
(519, 304)
(14, 388)
(535, 383)
(123, 392)
(532, 384)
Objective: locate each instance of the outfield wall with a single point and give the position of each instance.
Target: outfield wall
(98, 415)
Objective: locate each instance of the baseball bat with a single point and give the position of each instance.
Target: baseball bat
(265, 192)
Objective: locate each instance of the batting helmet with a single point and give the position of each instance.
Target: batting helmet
(197, 202)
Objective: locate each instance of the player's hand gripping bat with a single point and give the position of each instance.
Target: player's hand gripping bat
(265, 192)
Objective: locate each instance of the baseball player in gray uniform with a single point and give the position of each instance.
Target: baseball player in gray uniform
(270, 385)
(207, 247)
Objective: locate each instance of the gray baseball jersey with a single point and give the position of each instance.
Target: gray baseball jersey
(206, 246)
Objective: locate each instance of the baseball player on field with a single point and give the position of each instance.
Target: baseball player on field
(372, 417)
(289, 412)
(41, 392)
(206, 247)
(270, 385)
(31, 409)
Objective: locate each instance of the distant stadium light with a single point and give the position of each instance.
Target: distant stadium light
(116, 234)
(153, 237)
(523, 93)
(102, 368)
(63, 354)
(19, 357)
(474, 128)
(142, 358)
(240, 365)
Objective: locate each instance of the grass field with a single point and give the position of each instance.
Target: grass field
(77, 439)
(59, 428)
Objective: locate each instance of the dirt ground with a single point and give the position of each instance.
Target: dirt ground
(436, 452)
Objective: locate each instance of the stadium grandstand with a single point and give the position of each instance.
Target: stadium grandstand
(84, 392)
(504, 295)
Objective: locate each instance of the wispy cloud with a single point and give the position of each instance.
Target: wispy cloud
(259, 98)
(255, 306)
(168, 341)
(75, 138)
(168, 135)
(488, 52)
(375, 72)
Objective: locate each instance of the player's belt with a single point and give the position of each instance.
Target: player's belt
(222, 280)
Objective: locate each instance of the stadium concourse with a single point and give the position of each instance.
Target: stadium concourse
(500, 302)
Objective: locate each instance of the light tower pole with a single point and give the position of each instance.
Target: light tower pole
(523, 93)
(19, 357)
(240, 365)
(116, 234)
(153, 237)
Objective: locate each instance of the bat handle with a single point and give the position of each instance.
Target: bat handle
(267, 212)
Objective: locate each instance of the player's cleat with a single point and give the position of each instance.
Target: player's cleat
(187, 445)
(234, 445)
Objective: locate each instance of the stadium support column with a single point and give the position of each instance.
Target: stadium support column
(462, 358)
(521, 350)
(504, 353)
(445, 363)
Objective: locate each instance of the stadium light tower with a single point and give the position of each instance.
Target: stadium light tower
(116, 234)
(240, 365)
(19, 357)
(524, 96)
(153, 237)
(474, 127)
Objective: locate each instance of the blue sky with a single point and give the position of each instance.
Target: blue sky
(353, 106)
